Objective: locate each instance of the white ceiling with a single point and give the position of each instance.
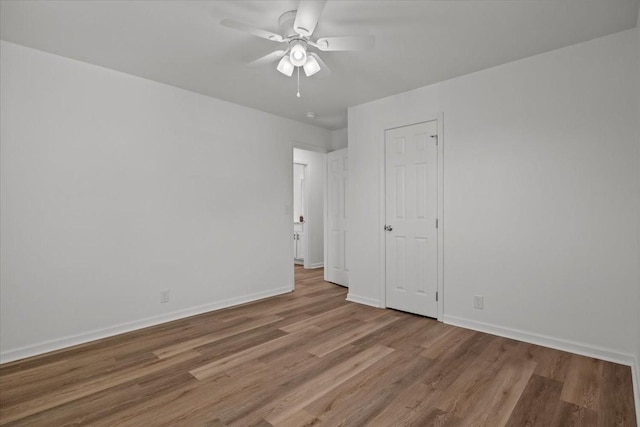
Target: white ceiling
(417, 43)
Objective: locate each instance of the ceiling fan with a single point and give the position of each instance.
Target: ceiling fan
(295, 29)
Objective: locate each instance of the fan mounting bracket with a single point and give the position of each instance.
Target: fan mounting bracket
(285, 23)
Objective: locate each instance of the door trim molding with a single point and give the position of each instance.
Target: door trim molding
(439, 117)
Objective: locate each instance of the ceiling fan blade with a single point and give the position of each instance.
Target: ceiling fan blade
(307, 16)
(324, 69)
(345, 43)
(267, 59)
(251, 30)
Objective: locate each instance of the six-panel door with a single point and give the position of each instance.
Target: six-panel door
(411, 187)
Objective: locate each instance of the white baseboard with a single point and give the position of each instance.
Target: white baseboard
(69, 341)
(363, 300)
(314, 266)
(635, 371)
(543, 340)
(559, 344)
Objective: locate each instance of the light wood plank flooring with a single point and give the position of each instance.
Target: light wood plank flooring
(311, 358)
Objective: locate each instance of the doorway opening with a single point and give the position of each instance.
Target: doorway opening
(309, 176)
(299, 246)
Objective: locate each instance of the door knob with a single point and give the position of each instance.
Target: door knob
(388, 228)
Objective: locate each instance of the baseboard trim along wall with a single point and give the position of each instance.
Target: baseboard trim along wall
(69, 341)
(635, 371)
(363, 300)
(543, 340)
(316, 265)
(556, 343)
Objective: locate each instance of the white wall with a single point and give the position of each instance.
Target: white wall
(115, 188)
(541, 199)
(315, 177)
(339, 139)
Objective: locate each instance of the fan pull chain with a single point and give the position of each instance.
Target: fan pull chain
(298, 94)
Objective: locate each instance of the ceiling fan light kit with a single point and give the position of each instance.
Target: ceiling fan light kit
(285, 66)
(298, 52)
(296, 29)
(311, 66)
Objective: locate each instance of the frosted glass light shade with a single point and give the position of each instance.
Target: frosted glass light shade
(285, 66)
(298, 55)
(311, 66)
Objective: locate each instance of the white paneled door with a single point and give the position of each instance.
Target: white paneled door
(337, 267)
(411, 244)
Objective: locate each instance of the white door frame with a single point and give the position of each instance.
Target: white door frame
(382, 234)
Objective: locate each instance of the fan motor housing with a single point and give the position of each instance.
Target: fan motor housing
(285, 22)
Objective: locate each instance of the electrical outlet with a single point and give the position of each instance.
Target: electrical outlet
(478, 302)
(164, 296)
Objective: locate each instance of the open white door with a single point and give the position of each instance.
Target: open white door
(336, 266)
(411, 247)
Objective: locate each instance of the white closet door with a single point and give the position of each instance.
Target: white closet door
(411, 244)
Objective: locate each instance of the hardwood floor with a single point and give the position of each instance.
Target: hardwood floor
(311, 358)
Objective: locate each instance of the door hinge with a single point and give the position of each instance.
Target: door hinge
(436, 295)
(436, 222)
(436, 138)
